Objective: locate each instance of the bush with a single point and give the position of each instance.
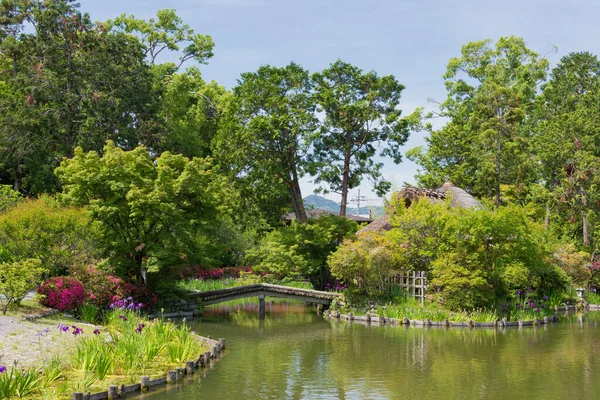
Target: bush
(8, 198)
(63, 293)
(59, 237)
(17, 279)
(103, 288)
(100, 286)
(365, 263)
(302, 249)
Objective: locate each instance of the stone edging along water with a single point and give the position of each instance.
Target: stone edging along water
(203, 361)
(499, 323)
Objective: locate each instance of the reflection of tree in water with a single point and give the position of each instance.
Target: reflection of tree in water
(296, 357)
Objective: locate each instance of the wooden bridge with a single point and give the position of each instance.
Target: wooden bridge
(262, 290)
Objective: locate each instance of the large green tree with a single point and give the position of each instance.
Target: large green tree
(491, 89)
(359, 113)
(71, 83)
(566, 140)
(268, 124)
(151, 213)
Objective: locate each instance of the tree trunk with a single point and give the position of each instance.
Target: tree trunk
(547, 219)
(18, 178)
(345, 179)
(296, 194)
(498, 167)
(586, 230)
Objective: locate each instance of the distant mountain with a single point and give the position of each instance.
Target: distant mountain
(322, 203)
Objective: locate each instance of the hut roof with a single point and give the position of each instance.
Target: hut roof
(460, 198)
(316, 213)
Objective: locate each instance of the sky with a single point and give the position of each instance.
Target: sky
(410, 39)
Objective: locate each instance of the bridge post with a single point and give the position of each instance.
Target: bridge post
(261, 307)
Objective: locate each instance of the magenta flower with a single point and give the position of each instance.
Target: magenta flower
(124, 318)
(97, 332)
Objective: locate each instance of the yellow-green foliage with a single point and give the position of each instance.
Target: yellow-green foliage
(365, 263)
(18, 278)
(60, 237)
(573, 262)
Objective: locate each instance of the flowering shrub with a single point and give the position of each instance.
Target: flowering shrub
(62, 292)
(140, 294)
(103, 288)
(197, 272)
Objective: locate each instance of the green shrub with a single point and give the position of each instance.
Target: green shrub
(365, 263)
(59, 237)
(8, 198)
(17, 279)
(302, 249)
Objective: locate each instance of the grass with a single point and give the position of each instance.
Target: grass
(127, 347)
(89, 313)
(398, 304)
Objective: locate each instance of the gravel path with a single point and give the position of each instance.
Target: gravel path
(30, 343)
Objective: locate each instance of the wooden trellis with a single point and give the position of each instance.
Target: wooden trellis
(413, 283)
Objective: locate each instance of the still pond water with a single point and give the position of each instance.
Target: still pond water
(296, 354)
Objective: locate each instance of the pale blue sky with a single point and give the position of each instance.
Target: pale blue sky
(411, 39)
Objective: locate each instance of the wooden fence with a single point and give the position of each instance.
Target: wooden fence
(414, 283)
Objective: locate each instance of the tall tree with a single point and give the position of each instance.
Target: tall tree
(72, 82)
(268, 124)
(360, 112)
(566, 139)
(491, 90)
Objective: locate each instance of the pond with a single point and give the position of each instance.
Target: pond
(296, 354)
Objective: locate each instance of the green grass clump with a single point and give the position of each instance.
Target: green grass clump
(592, 297)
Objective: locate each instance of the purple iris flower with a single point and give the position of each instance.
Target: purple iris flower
(519, 292)
(97, 332)
(124, 318)
(77, 331)
(2, 369)
(62, 327)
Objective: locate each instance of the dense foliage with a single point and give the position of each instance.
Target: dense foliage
(302, 249)
(474, 258)
(149, 214)
(60, 237)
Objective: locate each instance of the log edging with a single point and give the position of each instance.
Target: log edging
(503, 323)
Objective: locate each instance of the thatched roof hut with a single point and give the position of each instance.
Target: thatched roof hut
(460, 198)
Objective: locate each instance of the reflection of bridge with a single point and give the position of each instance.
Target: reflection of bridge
(263, 290)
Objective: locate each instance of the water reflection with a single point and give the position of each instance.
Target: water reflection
(296, 354)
